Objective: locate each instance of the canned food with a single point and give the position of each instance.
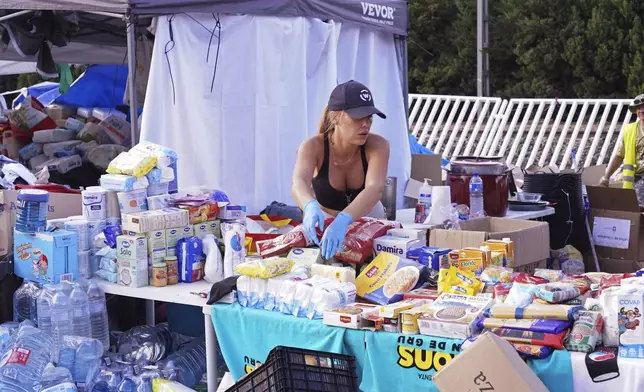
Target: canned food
(173, 269)
(159, 275)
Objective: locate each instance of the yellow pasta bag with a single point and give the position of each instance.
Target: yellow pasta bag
(265, 269)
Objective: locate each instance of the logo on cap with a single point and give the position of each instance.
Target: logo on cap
(365, 95)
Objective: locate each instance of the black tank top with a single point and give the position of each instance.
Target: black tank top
(327, 195)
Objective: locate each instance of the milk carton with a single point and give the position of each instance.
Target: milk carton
(132, 247)
(630, 302)
(132, 259)
(395, 245)
(215, 227)
(201, 230)
(156, 246)
(174, 235)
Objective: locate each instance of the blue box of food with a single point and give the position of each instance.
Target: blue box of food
(432, 257)
(46, 257)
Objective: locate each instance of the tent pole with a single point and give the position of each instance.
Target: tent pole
(131, 70)
(109, 14)
(14, 15)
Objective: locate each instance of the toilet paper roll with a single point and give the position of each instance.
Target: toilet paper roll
(441, 206)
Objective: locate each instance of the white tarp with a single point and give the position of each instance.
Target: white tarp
(16, 67)
(273, 78)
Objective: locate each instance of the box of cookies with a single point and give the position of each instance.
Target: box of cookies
(453, 316)
(354, 316)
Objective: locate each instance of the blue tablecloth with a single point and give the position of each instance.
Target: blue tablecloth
(385, 361)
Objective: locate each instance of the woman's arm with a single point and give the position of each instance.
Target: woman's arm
(378, 157)
(305, 164)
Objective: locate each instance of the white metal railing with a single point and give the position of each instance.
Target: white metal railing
(525, 131)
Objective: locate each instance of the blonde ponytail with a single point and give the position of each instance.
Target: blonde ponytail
(325, 124)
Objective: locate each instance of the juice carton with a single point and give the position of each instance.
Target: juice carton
(505, 246)
(48, 257)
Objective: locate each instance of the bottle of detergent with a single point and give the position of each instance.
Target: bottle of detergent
(424, 202)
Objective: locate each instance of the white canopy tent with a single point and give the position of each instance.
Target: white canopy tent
(16, 67)
(237, 116)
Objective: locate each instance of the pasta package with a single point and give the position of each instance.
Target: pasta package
(358, 243)
(388, 277)
(557, 292)
(495, 274)
(264, 269)
(585, 333)
(532, 351)
(544, 326)
(456, 281)
(530, 337)
(550, 275)
(534, 311)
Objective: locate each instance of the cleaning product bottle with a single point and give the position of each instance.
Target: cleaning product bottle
(424, 202)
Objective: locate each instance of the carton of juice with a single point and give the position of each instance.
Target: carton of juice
(469, 259)
(505, 246)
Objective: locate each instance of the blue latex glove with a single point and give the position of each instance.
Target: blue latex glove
(313, 216)
(333, 237)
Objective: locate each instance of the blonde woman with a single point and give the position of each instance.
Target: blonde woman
(341, 171)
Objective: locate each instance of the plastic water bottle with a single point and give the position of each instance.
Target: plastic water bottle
(115, 380)
(24, 364)
(31, 210)
(43, 303)
(476, 196)
(61, 318)
(99, 322)
(190, 362)
(80, 312)
(127, 385)
(425, 195)
(25, 302)
(145, 385)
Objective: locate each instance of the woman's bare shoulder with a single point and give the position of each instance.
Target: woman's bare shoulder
(376, 142)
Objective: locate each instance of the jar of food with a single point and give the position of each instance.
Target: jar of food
(173, 269)
(159, 276)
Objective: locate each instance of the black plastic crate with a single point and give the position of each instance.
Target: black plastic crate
(289, 369)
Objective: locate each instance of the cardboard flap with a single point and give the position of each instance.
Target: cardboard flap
(456, 239)
(614, 199)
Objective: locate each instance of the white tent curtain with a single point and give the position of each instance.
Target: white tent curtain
(273, 78)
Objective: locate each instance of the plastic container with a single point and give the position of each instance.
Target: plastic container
(61, 318)
(22, 373)
(99, 322)
(31, 214)
(81, 228)
(476, 196)
(25, 302)
(133, 201)
(189, 362)
(43, 304)
(94, 203)
(84, 264)
(291, 369)
(80, 312)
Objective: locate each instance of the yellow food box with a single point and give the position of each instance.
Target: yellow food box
(505, 246)
(469, 259)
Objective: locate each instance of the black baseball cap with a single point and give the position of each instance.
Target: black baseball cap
(355, 99)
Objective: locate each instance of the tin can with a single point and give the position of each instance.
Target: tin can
(421, 213)
(159, 276)
(173, 269)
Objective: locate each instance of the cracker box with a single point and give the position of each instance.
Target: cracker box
(388, 277)
(174, 235)
(409, 319)
(469, 259)
(630, 300)
(47, 257)
(132, 247)
(394, 245)
(453, 316)
(353, 316)
(394, 310)
(426, 294)
(410, 234)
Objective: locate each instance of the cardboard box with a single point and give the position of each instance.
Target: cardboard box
(47, 257)
(353, 316)
(453, 316)
(423, 166)
(489, 364)
(394, 245)
(617, 225)
(531, 239)
(61, 205)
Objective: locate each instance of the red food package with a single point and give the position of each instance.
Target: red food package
(538, 338)
(29, 116)
(282, 244)
(582, 282)
(610, 281)
(501, 290)
(522, 277)
(358, 243)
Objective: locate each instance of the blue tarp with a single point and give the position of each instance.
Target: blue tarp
(101, 86)
(417, 148)
(45, 92)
